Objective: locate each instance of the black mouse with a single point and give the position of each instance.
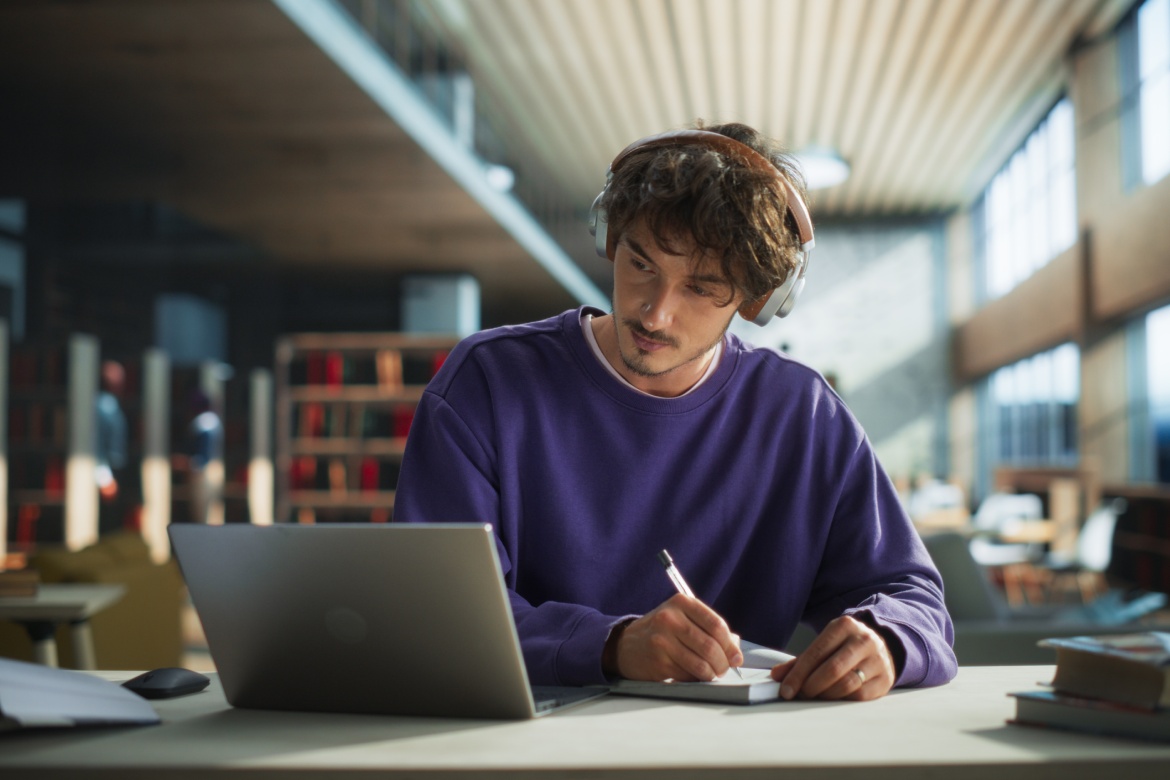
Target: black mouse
(167, 683)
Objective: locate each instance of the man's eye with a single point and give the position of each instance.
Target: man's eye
(638, 264)
(702, 292)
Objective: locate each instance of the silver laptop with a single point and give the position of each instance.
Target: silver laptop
(389, 619)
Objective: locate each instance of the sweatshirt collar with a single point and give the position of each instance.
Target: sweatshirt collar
(623, 392)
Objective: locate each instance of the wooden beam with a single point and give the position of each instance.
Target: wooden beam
(1130, 267)
(1042, 312)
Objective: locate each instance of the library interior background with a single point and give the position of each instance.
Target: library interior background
(240, 237)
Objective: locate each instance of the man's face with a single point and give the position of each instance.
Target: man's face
(670, 311)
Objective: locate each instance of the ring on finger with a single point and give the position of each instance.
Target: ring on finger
(860, 675)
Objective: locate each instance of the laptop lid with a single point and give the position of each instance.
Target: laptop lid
(391, 619)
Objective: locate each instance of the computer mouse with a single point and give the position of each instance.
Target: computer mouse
(167, 683)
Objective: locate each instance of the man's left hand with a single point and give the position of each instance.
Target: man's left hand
(849, 660)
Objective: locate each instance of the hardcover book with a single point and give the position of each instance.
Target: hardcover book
(1076, 713)
(1128, 668)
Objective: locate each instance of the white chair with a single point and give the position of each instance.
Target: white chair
(998, 511)
(994, 518)
(1087, 565)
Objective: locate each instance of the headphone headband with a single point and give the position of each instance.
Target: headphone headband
(743, 153)
(780, 301)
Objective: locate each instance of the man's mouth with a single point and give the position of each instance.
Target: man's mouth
(648, 345)
(644, 339)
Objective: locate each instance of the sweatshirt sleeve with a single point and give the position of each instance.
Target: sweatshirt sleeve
(875, 568)
(449, 475)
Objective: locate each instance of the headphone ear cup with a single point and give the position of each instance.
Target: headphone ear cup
(790, 302)
(778, 303)
(599, 227)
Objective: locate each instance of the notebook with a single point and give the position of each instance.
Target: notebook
(383, 619)
(750, 684)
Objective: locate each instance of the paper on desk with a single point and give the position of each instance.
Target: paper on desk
(761, 657)
(33, 696)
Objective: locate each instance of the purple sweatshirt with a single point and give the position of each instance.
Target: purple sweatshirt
(760, 483)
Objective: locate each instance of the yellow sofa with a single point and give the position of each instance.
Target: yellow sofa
(142, 630)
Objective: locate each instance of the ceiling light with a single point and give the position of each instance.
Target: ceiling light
(822, 167)
(499, 177)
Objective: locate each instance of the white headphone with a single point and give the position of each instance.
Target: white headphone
(777, 303)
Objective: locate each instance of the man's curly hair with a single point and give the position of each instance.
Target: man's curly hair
(733, 211)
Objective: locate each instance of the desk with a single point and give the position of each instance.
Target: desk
(956, 731)
(60, 603)
(1037, 531)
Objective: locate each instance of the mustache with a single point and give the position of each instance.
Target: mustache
(655, 336)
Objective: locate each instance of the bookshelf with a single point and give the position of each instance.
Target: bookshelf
(221, 482)
(51, 491)
(344, 405)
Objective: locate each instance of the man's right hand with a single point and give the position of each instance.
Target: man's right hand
(682, 639)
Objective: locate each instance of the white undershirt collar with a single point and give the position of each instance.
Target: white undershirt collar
(587, 327)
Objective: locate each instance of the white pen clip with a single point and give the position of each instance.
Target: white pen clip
(675, 575)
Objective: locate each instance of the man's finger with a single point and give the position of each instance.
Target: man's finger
(706, 657)
(671, 642)
(806, 663)
(835, 676)
(711, 626)
(735, 651)
(848, 660)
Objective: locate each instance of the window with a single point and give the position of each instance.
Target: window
(1032, 409)
(1158, 381)
(1153, 21)
(1144, 46)
(1029, 208)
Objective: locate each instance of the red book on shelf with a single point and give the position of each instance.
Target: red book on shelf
(26, 524)
(403, 417)
(54, 476)
(315, 368)
(369, 474)
(312, 423)
(304, 473)
(437, 361)
(334, 369)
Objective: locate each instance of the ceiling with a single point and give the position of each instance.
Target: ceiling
(924, 98)
(225, 110)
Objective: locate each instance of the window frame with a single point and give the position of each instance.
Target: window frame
(1001, 249)
(1133, 87)
(1041, 428)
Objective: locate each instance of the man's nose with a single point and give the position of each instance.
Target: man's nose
(658, 309)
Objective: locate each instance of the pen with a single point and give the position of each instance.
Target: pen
(681, 585)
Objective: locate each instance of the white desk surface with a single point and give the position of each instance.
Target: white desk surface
(56, 602)
(956, 731)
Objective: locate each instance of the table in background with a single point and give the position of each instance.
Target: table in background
(57, 603)
(957, 731)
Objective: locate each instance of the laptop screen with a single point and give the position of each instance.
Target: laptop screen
(405, 619)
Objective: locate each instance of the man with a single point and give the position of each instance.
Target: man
(203, 461)
(111, 453)
(591, 441)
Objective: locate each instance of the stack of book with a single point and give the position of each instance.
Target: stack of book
(1116, 685)
(19, 583)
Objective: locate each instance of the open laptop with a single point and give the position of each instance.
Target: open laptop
(389, 619)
